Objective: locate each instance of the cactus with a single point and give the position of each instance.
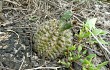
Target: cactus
(50, 41)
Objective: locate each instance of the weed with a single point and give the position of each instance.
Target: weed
(77, 53)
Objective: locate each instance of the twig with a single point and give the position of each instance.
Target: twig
(55, 68)
(15, 33)
(104, 47)
(13, 2)
(11, 8)
(22, 63)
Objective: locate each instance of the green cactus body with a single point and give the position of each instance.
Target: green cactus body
(50, 41)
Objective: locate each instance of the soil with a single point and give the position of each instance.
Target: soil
(19, 21)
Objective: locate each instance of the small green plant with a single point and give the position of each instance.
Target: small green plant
(65, 20)
(79, 54)
(88, 65)
(72, 56)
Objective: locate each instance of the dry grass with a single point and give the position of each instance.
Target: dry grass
(18, 13)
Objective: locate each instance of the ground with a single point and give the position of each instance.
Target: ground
(19, 20)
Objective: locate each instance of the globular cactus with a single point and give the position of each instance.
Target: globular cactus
(50, 41)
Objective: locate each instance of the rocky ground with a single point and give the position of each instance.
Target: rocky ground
(21, 19)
